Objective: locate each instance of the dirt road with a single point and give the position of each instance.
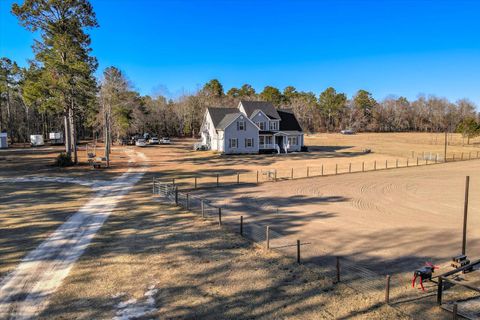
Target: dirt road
(24, 293)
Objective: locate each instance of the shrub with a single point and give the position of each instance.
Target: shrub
(63, 160)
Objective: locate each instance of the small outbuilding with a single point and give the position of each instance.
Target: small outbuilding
(3, 140)
(36, 140)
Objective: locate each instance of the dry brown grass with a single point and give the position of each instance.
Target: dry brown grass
(29, 212)
(200, 272)
(332, 151)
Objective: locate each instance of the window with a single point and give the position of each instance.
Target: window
(249, 142)
(268, 140)
(293, 141)
(233, 143)
(241, 126)
(261, 125)
(261, 140)
(273, 125)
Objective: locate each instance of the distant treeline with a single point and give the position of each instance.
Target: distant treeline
(58, 92)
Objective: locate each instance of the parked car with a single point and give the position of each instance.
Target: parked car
(141, 143)
(153, 140)
(165, 140)
(347, 131)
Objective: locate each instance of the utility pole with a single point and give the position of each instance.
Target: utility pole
(465, 214)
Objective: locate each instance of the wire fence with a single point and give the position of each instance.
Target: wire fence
(262, 175)
(340, 269)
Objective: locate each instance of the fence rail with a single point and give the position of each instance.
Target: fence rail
(197, 181)
(337, 268)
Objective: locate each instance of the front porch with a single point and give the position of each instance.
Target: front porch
(280, 142)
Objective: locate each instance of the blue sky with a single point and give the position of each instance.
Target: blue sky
(387, 47)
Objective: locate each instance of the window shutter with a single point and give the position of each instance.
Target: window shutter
(244, 125)
(229, 143)
(253, 142)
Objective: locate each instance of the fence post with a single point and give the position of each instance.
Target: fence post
(153, 187)
(396, 164)
(374, 165)
(454, 156)
(337, 266)
(461, 157)
(387, 290)
(275, 180)
(363, 166)
(439, 291)
(386, 164)
(407, 162)
(267, 238)
(417, 161)
(455, 311)
(298, 251)
(241, 225)
(426, 162)
(203, 208)
(219, 216)
(218, 178)
(308, 170)
(195, 182)
(322, 169)
(436, 158)
(350, 167)
(238, 177)
(187, 202)
(257, 176)
(176, 195)
(292, 174)
(336, 168)
(173, 180)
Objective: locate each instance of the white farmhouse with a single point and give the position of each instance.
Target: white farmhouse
(252, 127)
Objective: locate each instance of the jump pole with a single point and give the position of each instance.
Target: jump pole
(465, 214)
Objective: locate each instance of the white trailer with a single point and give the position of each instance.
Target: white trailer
(36, 140)
(3, 140)
(56, 138)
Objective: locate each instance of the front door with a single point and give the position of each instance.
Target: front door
(279, 141)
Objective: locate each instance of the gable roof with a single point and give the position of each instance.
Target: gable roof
(265, 106)
(288, 120)
(218, 114)
(228, 119)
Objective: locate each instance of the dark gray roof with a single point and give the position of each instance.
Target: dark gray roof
(265, 106)
(229, 118)
(288, 120)
(218, 114)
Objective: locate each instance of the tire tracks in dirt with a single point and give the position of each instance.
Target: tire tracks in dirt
(25, 292)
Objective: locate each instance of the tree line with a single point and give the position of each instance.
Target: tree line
(58, 92)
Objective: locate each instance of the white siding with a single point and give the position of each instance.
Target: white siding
(250, 132)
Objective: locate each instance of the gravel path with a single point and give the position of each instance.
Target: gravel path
(25, 292)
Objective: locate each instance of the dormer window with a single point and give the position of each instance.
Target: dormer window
(241, 126)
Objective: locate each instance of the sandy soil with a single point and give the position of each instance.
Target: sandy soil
(333, 152)
(391, 221)
(191, 269)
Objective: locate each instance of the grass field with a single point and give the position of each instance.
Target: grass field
(333, 152)
(153, 260)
